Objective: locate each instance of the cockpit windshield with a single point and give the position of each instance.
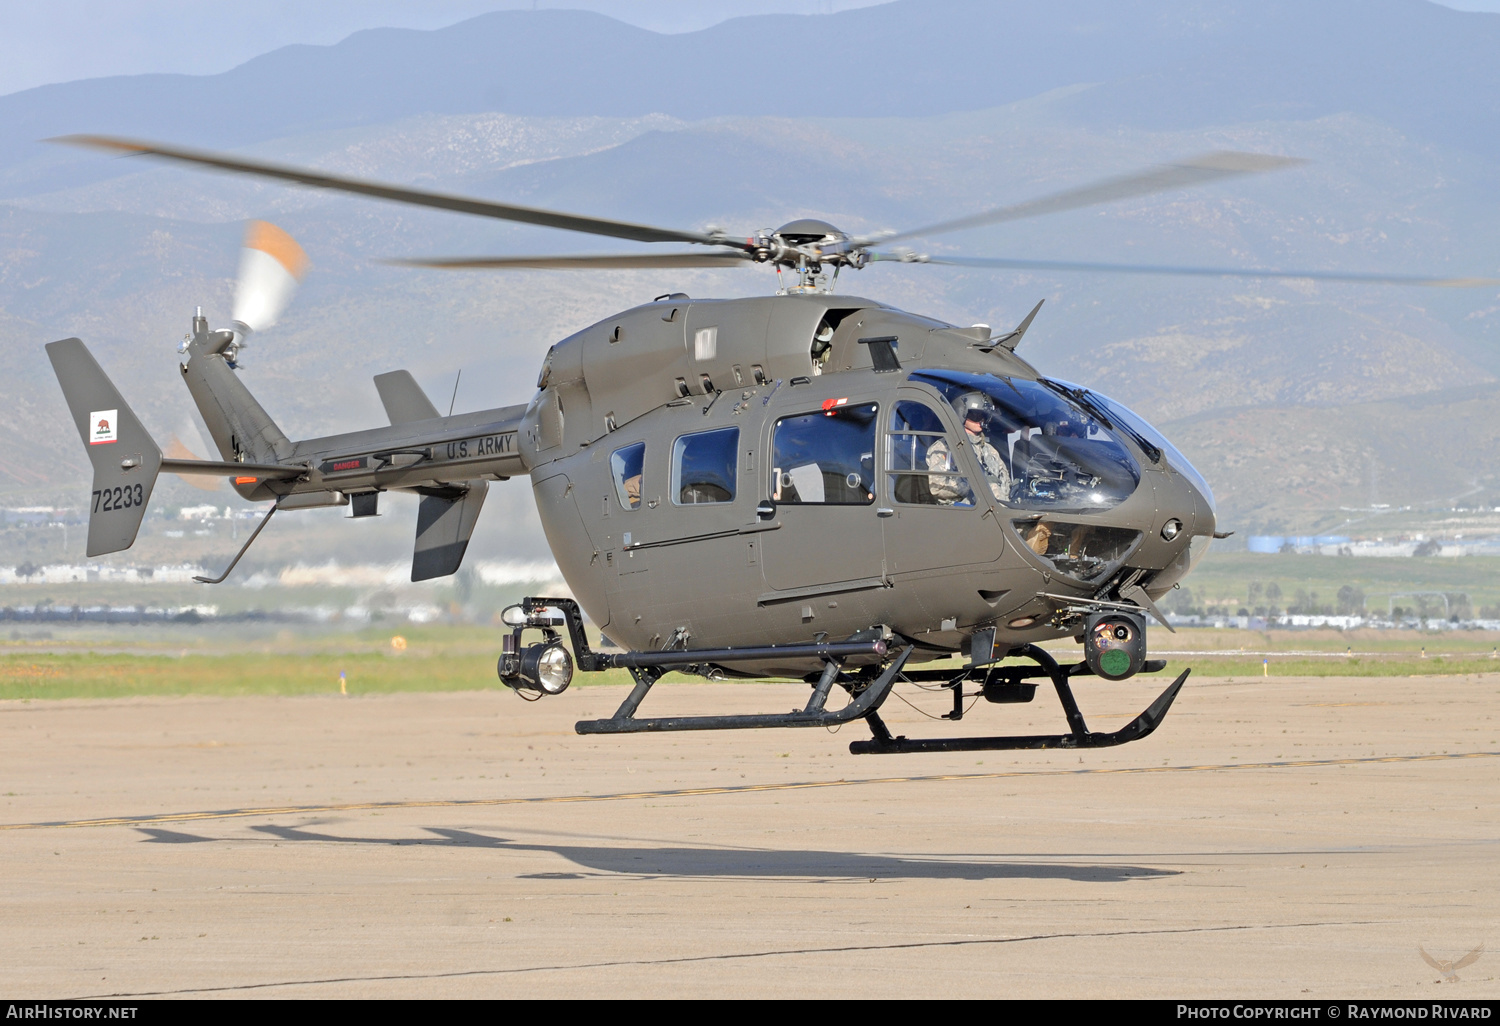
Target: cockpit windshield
(1134, 422)
(1039, 449)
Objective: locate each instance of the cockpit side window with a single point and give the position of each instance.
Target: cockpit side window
(1039, 450)
(627, 465)
(826, 457)
(704, 467)
(920, 466)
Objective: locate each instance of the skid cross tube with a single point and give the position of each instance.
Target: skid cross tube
(865, 703)
(1079, 736)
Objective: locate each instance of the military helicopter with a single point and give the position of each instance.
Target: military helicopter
(804, 485)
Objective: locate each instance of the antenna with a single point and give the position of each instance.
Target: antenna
(456, 379)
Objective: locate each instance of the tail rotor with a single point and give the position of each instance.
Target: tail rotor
(272, 265)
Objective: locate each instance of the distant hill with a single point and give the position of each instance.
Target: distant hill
(1173, 65)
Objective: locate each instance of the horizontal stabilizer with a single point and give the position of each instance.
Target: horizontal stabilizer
(125, 458)
(445, 521)
(403, 398)
(228, 468)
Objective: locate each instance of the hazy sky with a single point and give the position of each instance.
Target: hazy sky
(63, 40)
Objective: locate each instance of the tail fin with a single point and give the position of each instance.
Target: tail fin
(125, 458)
(446, 517)
(403, 398)
(445, 521)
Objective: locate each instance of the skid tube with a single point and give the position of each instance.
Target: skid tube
(1078, 736)
(863, 703)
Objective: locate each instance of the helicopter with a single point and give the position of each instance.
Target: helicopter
(806, 484)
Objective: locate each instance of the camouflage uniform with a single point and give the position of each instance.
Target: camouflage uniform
(949, 490)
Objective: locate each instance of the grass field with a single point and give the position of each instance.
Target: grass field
(183, 661)
(120, 664)
(480, 599)
(40, 661)
(1223, 578)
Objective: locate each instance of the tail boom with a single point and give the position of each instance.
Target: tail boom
(448, 461)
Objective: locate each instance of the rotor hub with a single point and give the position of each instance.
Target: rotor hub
(808, 231)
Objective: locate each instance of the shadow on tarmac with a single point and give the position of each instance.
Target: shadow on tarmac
(641, 861)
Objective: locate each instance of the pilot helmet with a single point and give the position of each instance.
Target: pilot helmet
(971, 401)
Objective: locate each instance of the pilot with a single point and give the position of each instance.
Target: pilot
(977, 409)
(1067, 427)
(822, 347)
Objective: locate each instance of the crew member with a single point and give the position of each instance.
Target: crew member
(952, 490)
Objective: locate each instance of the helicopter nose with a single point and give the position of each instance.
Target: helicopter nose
(1191, 512)
(1180, 532)
(1182, 513)
(1186, 511)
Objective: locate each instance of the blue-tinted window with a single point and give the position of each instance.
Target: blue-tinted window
(704, 467)
(920, 460)
(1135, 421)
(627, 465)
(910, 416)
(1041, 449)
(827, 457)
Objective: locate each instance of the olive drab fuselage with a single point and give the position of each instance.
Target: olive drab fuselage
(653, 442)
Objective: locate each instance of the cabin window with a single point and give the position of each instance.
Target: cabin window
(704, 467)
(920, 462)
(826, 457)
(626, 464)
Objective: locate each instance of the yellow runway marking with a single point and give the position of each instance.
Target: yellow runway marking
(693, 792)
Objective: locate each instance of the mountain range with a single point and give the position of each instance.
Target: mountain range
(1292, 396)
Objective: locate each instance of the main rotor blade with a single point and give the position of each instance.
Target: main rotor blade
(1206, 272)
(1200, 170)
(728, 258)
(399, 194)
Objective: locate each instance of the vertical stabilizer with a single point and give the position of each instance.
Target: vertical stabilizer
(403, 398)
(124, 456)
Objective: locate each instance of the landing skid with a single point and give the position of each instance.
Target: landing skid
(863, 703)
(1079, 737)
(867, 694)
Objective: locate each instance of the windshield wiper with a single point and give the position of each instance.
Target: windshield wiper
(1092, 407)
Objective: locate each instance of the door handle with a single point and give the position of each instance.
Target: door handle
(885, 511)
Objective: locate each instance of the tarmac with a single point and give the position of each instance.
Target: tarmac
(1276, 838)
